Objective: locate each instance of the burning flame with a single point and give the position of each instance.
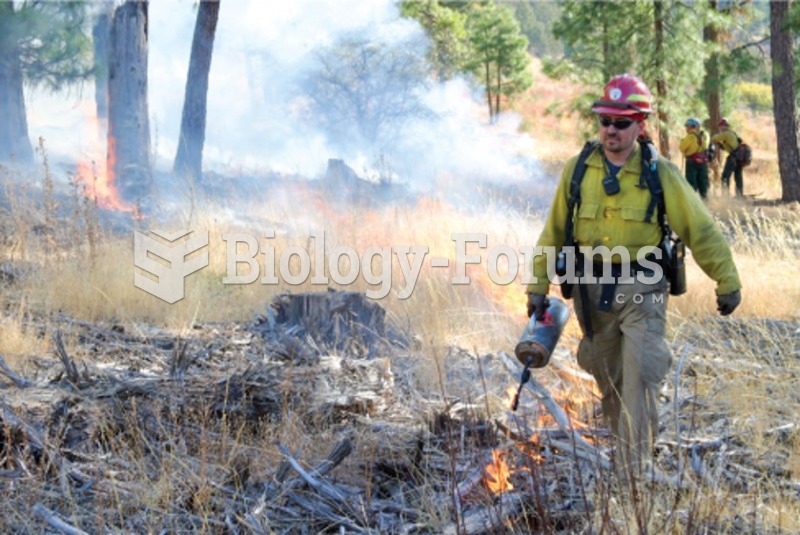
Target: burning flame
(498, 474)
(510, 394)
(99, 180)
(509, 299)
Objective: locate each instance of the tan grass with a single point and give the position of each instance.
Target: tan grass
(18, 337)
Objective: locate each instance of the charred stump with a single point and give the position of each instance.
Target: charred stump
(345, 322)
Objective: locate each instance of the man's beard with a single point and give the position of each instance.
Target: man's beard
(617, 146)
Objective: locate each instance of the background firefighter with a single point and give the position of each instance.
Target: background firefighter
(623, 324)
(694, 147)
(728, 141)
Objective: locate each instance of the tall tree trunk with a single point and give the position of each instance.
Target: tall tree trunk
(661, 84)
(784, 101)
(128, 121)
(489, 93)
(711, 80)
(101, 37)
(15, 145)
(189, 158)
(711, 86)
(497, 93)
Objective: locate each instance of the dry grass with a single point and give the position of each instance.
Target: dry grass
(18, 339)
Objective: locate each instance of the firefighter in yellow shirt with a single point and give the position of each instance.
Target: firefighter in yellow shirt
(694, 147)
(623, 321)
(728, 140)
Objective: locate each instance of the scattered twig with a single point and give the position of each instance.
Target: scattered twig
(69, 366)
(19, 382)
(328, 491)
(54, 521)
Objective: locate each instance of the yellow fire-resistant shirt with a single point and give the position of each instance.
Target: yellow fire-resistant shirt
(693, 143)
(618, 220)
(727, 140)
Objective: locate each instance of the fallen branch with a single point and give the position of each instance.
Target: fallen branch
(555, 410)
(69, 366)
(342, 449)
(19, 382)
(54, 521)
(328, 491)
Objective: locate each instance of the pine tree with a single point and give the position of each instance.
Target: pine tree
(785, 99)
(42, 44)
(499, 53)
(657, 41)
(447, 31)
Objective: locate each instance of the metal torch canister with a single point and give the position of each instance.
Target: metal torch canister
(540, 337)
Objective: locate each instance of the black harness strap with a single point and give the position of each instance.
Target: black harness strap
(569, 235)
(575, 191)
(650, 174)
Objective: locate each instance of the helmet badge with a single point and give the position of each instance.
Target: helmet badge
(615, 93)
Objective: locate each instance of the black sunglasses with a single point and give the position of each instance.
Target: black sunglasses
(619, 124)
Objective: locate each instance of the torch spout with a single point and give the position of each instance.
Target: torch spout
(524, 378)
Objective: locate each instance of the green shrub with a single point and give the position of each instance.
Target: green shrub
(757, 97)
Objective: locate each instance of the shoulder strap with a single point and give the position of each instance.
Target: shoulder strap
(653, 180)
(700, 135)
(575, 189)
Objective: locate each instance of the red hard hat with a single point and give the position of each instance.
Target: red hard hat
(723, 122)
(625, 94)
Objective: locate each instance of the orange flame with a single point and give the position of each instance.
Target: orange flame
(99, 180)
(509, 299)
(498, 474)
(510, 394)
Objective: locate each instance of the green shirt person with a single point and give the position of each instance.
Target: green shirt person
(623, 323)
(694, 147)
(727, 140)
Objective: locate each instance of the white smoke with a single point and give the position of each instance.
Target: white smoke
(261, 51)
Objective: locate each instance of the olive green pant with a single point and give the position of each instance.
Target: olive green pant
(697, 176)
(732, 168)
(629, 358)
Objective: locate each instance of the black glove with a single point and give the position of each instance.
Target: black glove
(537, 303)
(727, 303)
